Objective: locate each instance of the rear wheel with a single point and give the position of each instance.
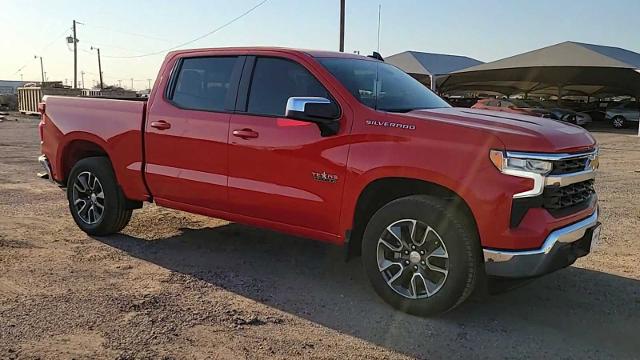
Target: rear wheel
(420, 256)
(95, 200)
(618, 122)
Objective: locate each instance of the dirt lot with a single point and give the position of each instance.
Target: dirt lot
(176, 285)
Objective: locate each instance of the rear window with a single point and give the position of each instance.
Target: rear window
(203, 83)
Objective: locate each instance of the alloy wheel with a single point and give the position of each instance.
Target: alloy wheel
(618, 122)
(412, 259)
(88, 198)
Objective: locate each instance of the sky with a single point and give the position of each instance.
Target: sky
(486, 30)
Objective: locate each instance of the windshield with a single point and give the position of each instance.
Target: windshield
(382, 86)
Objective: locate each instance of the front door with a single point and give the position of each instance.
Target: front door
(280, 169)
(186, 132)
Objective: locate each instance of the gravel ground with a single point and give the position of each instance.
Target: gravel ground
(176, 285)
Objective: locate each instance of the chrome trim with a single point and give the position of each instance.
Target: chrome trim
(540, 181)
(42, 159)
(299, 103)
(530, 262)
(550, 157)
(568, 179)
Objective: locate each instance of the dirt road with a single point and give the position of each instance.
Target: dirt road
(176, 285)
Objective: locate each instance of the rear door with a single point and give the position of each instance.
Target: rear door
(283, 170)
(187, 129)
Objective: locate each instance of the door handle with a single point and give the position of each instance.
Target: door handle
(245, 133)
(160, 125)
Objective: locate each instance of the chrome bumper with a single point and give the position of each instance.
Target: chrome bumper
(561, 248)
(42, 159)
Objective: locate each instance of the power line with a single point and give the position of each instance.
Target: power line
(194, 40)
(48, 45)
(127, 33)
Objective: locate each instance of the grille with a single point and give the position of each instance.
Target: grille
(568, 166)
(559, 199)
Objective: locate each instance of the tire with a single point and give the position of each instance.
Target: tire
(450, 231)
(618, 122)
(101, 190)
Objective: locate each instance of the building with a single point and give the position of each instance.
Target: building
(10, 87)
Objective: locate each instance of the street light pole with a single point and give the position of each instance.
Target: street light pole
(99, 66)
(75, 57)
(41, 67)
(342, 6)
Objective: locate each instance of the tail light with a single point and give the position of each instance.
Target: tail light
(42, 107)
(41, 129)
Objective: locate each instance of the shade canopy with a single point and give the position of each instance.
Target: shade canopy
(570, 68)
(421, 63)
(427, 66)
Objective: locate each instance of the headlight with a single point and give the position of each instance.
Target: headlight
(506, 164)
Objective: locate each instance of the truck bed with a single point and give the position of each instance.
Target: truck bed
(114, 124)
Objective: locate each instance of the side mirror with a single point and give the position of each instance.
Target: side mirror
(318, 110)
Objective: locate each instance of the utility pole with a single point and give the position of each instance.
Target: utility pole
(120, 83)
(75, 57)
(82, 77)
(41, 68)
(149, 81)
(99, 66)
(342, 5)
(131, 83)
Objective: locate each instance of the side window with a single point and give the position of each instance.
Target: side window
(203, 83)
(275, 81)
(492, 103)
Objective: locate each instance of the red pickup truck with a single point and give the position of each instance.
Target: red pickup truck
(340, 148)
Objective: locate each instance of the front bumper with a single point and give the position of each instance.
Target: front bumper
(560, 249)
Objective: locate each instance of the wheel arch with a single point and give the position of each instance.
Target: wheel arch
(75, 150)
(383, 190)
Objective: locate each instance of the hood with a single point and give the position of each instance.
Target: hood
(517, 132)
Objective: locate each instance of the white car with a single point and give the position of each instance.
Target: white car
(623, 114)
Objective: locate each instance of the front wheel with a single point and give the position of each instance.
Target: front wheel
(618, 122)
(420, 255)
(95, 200)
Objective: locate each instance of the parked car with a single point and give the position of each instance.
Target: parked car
(340, 148)
(461, 101)
(558, 113)
(623, 114)
(512, 106)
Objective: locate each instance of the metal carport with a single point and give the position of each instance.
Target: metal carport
(569, 67)
(427, 66)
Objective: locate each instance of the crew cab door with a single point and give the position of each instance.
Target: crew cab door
(283, 170)
(186, 132)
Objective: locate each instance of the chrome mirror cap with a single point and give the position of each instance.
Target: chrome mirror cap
(299, 103)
